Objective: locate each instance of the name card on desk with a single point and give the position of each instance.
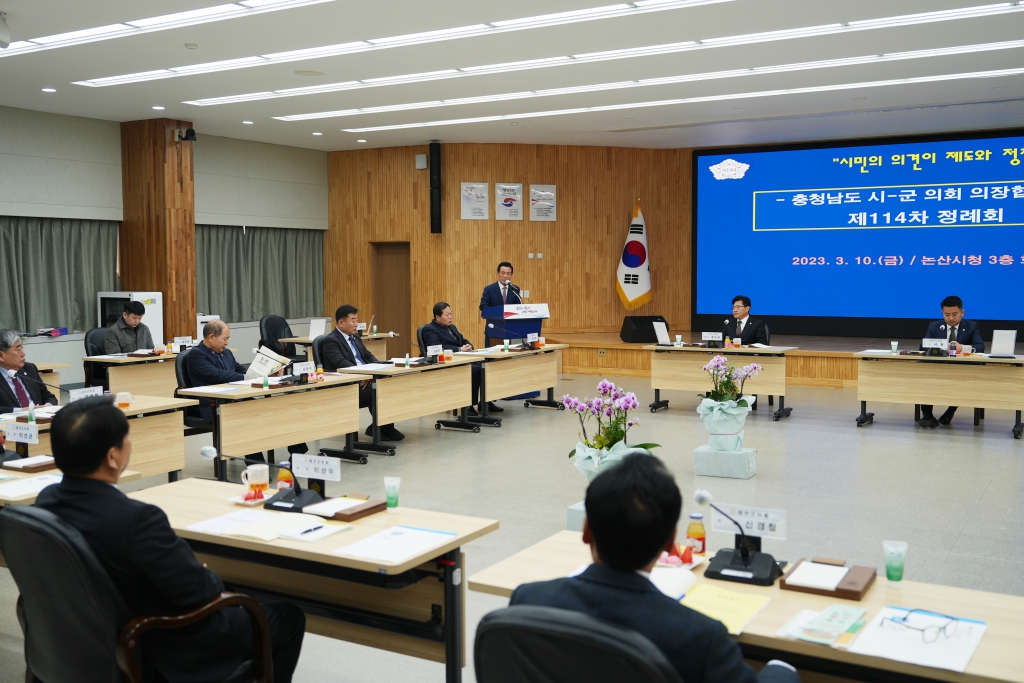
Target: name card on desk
(183, 341)
(303, 368)
(532, 337)
(79, 394)
(22, 432)
(316, 467)
(711, 336)
(761, 522)
(435, 350)
(935, 344)
(361, 326)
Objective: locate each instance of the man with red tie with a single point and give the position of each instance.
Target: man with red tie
(501, 292)
(20, 383)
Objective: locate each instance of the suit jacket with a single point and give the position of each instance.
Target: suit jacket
(698, 646)
(204, 368)
(156, 573)
(492, 296)
(968, 333)
(755, 331)
(435, 334)
(37, 392)
(337, 353)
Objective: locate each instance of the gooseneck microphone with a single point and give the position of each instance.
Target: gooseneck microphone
(426, 358)
(512, 335)
(285, 500)
(20, 375)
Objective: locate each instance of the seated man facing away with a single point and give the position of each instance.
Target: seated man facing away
(343, 348)
(129, 333)
(632, 511)
(154, 571)
(958, 332)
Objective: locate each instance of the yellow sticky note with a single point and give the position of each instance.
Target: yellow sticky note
(733, 609)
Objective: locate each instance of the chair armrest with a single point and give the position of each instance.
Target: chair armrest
(128, 641)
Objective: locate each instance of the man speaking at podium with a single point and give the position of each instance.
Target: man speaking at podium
(959, 333)
(502, 292)
(742, 328)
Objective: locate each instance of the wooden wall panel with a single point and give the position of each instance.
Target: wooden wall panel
(157, 237)
(377, 195)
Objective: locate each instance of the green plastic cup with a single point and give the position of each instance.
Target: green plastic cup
(391, 485)
(895, 561)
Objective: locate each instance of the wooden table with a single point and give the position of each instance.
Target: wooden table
(998, 658)
(401, 393)
(414, 608)
(48, 373)
(682, 368)
(148, 375)
(376, 344)
(510, 373)
(28, 499)
(158, 436)
(975, 381)
(281, 416)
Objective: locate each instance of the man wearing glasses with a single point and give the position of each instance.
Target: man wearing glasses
(742, 327)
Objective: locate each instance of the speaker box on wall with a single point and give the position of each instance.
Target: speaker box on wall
(435, 187)
(639, 329)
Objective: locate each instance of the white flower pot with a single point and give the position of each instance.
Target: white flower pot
(592, 461)
(724, 421)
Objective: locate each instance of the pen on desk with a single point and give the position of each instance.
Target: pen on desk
(316, 528)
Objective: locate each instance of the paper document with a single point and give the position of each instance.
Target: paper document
(824, 577)
(886, 638)
(396, 544)
(29, 462)
(26, 487)
(673, 581)
(372, 366)
(110, 356)
(412, 359)
(758, 345)
(217, 389)
(311, 533)
(793, 627)
(269, 528)
(332, 505)
(317, 326)
(733, 609)
(833, 622)
(266, 363)
(230, 521)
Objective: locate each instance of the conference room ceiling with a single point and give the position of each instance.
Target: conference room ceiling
(736, 108)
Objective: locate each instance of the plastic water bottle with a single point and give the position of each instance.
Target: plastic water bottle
(406, 359)
(266, 381)
(31, 411)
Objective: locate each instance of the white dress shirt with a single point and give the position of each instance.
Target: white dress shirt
(741, 325)
(355, 356)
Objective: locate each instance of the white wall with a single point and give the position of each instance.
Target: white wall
(56, 166)
(238, 182)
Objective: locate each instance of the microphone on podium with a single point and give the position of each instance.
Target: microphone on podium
(525, 345)
(285, 500)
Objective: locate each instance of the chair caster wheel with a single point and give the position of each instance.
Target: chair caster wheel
(437, 426)
(363, 461)
(526, 404)
(476, 430)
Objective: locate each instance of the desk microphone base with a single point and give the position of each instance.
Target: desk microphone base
(290, 501)
(727, 565)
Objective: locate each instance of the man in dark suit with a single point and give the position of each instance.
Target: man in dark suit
(959, 333)
(742, 327)
(20, 383)
(342, 349)
(503, 291)
(632, 512)
(154, 570)
(441, 332)
(211, 362)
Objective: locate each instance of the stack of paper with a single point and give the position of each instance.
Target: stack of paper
(29, 462)
(826, 577)
(27, 487)
(886, 638)
(733, 609)
(329, 507)
(828, 626)
(396, 544)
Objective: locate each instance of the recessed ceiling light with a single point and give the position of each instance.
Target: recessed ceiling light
(687, 78)
(360, 140)
(49, 90)
(303, 72)
(191, 46)
(317, 133)
(248, 123)
(706, 98)
(158, 108)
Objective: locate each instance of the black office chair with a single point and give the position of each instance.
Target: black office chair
(419, 340)
(76, 625)
(95, 374)
(318, 351)
(194, 423)
(274, 327)
(529, 643)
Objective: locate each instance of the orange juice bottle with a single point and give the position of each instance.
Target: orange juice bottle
(695, 534)
(728, 343)
(284, 479)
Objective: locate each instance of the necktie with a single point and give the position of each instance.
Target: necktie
(20, 391)
(355, 351)
(504, 294)
(739, 328)
(952, 333)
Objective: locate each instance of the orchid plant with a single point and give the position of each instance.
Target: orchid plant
(727, 381)
(610, 409)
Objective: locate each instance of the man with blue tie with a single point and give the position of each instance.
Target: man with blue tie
(959, 333)
(342, 348)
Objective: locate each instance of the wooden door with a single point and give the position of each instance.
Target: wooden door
(392, 295)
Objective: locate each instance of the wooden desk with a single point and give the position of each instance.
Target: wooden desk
(401, 393)
(48, 373)
(126, 476)
(682, 368)
(374, 343)
(980, 382)
(510, 373)
(282, 416)
(402, 607)
(998, 657)
(152, 376)
(158, 438)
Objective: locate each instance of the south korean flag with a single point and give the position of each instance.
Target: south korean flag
(633, 280)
